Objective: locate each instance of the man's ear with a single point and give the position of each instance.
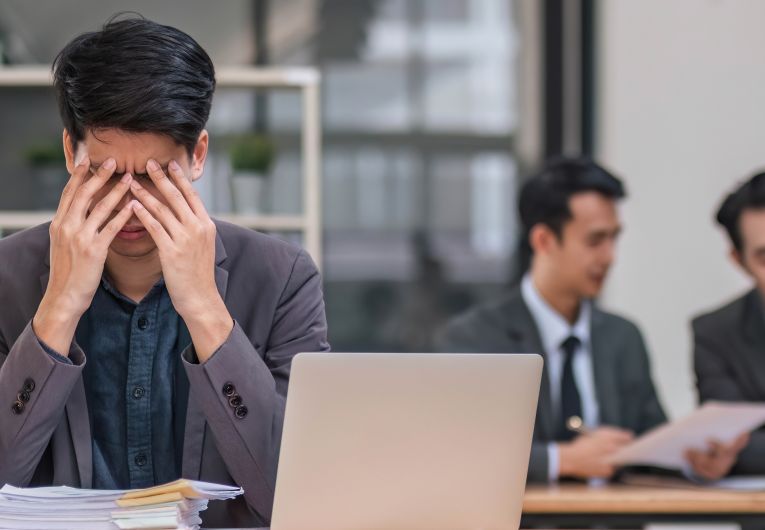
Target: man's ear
(200, 155)
(69, 152)
(737, 258)
(541, 238)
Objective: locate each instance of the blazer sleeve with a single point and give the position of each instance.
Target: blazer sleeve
(34, 388)
(248, 429)
(715, 381)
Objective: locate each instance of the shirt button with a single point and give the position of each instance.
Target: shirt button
(241, 411)
(143, 323)
(140, 460)
(229, 389)
(138, 392)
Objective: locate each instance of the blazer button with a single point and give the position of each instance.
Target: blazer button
(17, 407)
(235, 400)
(229, 389)
(241, 411)
(29, 385)
(23, 396)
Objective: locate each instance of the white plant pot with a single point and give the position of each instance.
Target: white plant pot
(247, 192)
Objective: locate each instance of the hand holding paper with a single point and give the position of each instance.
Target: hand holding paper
(666, 446)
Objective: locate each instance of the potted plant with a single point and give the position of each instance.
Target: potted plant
(252, 157)
(48, 171)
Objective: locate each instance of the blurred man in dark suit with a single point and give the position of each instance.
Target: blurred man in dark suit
(597, 391)
(729, 343)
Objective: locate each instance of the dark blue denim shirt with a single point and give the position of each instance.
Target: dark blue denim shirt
(132, 358)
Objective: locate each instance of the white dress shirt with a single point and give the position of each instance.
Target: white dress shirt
(553, 330)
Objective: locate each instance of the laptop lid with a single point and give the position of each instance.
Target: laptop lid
(406, 441)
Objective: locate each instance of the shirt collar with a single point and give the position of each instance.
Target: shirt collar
(553, 327)
(107, 286)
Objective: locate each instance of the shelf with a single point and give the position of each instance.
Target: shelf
(304, 79)
(231, 77)
(10, 220)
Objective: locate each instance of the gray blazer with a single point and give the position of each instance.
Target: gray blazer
(625, 392)
(729, 360)
(272, 290)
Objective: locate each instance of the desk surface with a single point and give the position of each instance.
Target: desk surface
(612, 499)
(542, 501)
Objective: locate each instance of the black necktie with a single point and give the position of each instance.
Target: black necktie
(570, 401)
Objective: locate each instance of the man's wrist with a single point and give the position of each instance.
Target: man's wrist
(55, 325)
(209, 328)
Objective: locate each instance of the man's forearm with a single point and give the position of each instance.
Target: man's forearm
(55, 326)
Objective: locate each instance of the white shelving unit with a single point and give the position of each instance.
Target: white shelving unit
(306, 80)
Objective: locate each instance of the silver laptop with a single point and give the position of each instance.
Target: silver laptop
(406, 441)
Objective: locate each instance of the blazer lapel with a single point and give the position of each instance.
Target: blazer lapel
(606, 391)
(754, 335)
(194, 432)
(523, 331)
(77, 414)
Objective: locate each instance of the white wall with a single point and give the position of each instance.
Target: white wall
(681, 117)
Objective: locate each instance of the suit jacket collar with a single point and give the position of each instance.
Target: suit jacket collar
(754, 333)
(524, 335)
(607, 391)
(522, 330)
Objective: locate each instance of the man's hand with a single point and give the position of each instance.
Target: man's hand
(718, 459)
(185, 237)
(79, 243)
(587, 455)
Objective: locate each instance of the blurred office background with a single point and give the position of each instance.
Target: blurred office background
(432, 112)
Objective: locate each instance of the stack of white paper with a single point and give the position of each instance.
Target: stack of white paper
(175, 505)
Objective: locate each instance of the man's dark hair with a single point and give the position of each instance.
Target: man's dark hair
(137, 76)
(544, 198)
(749, 196)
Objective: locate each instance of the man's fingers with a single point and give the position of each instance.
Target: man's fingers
(607, 471)
(700, 463)
(112, 228)
(154, 227)
(741, 442)
(85, 193)
(101, 211)
(159, 211)
(189, 193)
(75, 181)
(174, 196)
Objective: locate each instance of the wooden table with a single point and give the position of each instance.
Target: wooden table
(620, 506)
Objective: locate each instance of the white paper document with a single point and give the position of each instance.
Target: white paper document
(665, 445)
(170, 506)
